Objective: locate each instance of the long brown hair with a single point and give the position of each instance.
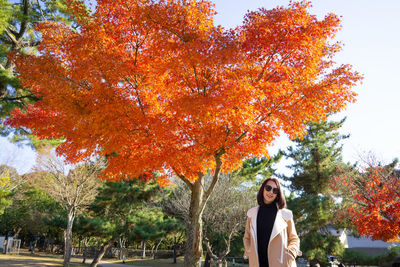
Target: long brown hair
(280, 198)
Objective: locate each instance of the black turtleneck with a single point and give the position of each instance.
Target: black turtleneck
(265, 222)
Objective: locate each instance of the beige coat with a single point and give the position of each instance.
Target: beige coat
(284, 244)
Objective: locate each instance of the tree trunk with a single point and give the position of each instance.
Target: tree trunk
(174, 255)
(68, 237)
(156, 249)
(100, 254)
(194, 250)
(15, 236)
(121, 244)
(143, 249)
(207, 260)
(84, 250)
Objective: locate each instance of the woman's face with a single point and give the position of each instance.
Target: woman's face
(269, 196)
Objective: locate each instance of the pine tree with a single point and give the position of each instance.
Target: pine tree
(257, 167)
(121, 211)
(317, 158)
(18, 20)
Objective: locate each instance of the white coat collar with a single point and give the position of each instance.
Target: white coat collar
(280, 221)
(279, 225)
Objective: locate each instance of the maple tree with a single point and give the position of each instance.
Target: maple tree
(373, 197)
(155, 86)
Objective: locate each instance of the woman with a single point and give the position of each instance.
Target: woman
(270, 239)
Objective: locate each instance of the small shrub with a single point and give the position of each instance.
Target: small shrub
(359, 258)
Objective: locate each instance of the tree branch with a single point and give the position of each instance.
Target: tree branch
(41, 11)
(195, 76)
(228, 242)
(267, 62)
(214, 181)
(182, 177)
(209, 249)
(12, 37)
(137, 96)
(17, 97)
(24, 22)
(30, 44)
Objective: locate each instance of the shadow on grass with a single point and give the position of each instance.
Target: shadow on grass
(157, 262)
(167, 263)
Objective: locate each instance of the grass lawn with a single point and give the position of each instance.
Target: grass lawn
(27, 259)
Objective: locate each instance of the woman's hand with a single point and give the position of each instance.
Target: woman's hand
(290, 254)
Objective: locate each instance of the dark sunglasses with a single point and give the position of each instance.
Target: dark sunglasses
(274, 190)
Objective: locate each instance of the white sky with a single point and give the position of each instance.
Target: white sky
(371, 34)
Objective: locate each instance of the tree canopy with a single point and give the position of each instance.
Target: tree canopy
(177, 90)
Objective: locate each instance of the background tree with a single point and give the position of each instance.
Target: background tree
(225, 217)
(31, 205)
(373, 199)
(8, 183)
(74, 189)
(184, 96)
(150, 224)
(317, 158)
(121, 210)
(17, 34)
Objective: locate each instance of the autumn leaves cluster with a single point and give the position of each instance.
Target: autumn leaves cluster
(374, 200)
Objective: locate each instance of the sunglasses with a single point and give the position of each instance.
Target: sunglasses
(274, 190)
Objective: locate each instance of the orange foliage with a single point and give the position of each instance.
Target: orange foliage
(160, 87)
(375, 202)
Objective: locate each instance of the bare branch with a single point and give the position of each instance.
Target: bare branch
(12, 37)
(209, 249)
(182, 177)
(215, 177)
(41, 11)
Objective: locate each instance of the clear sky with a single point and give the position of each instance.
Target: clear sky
(371, 36)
